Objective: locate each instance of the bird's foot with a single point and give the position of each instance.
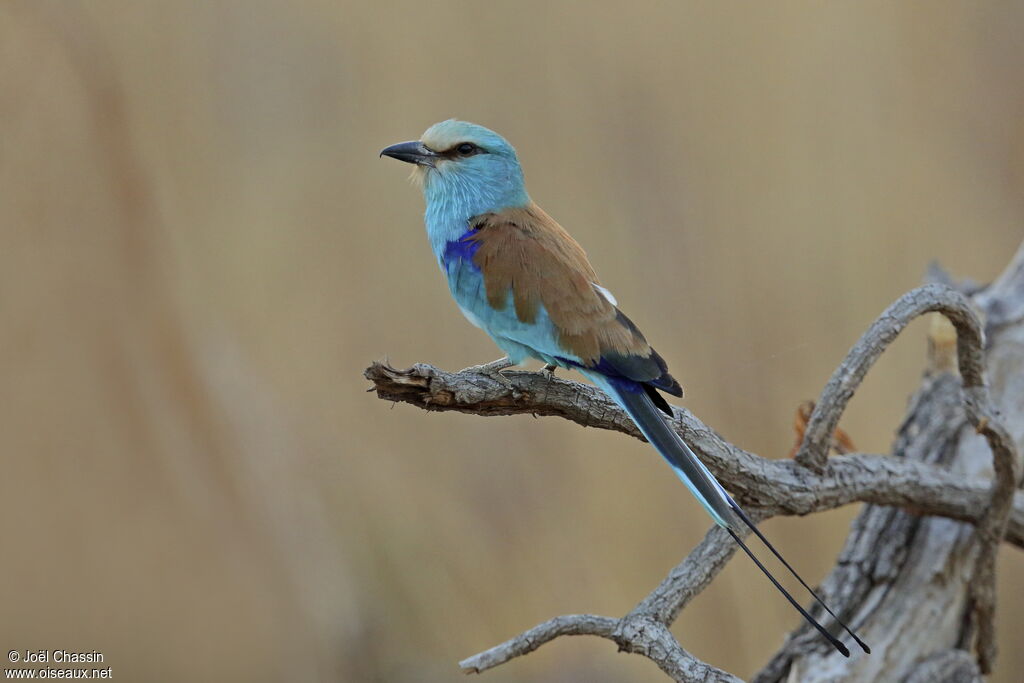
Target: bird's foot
(550, 369)
(493, 370)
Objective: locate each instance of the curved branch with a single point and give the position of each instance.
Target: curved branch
(528, 641)
(636, 634)
(932, 298)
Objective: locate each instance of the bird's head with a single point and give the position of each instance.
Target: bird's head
(465, 165)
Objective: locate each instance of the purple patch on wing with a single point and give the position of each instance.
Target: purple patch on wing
(463, 248)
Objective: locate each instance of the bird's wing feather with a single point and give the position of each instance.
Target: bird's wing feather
(525, 252)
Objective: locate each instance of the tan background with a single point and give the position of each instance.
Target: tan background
(200, 252)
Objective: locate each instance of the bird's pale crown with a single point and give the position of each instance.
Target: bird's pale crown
(448, 134)
(464, 170)
(473, 170)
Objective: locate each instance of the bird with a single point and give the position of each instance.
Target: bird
(519, 276)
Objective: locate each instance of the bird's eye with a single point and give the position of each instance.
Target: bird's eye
(466, 148)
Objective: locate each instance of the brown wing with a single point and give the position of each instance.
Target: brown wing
(524, 250)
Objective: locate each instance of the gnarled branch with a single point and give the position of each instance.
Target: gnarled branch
(781, 486)
(848, 376)
(766, 487)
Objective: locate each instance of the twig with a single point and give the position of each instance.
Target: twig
(530, 640)
(638, 635)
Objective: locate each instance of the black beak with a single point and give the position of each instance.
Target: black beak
(414, 152)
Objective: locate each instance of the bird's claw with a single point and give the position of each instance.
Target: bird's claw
(548, 371)
(493, 370)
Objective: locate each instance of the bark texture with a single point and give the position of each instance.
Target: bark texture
(916, 577)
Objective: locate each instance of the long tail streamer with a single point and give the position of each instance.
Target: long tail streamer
(719, 504)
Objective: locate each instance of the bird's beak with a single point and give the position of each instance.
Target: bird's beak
(414, 152)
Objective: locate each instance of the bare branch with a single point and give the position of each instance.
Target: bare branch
(1003, 304)
(993, 524)
(528, 641)
(810, 484)
(970, 355)
(779, 485)
(636, 634)
(848, 376)
(652, 639)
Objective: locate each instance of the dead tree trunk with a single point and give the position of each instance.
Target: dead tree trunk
(906, 579)
(916, 577)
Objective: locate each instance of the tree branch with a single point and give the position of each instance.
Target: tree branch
(644, 630)
(810, 484)
(528, 641)
(1004, 304)
(933, 298)
(638, 635)
(781, 486)
(848, 376)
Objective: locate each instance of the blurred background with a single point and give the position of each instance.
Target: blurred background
(200, 252)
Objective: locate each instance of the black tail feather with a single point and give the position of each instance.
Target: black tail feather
(657, 399)
(821, 629)
(645, 405)
(839, 646)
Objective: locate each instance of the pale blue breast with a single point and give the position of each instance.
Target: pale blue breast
(537, 339)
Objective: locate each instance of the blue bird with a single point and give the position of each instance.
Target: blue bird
(520, 277)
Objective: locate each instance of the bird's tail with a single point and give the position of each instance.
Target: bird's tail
(635, 400)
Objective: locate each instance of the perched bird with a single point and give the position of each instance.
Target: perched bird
(519, 276)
